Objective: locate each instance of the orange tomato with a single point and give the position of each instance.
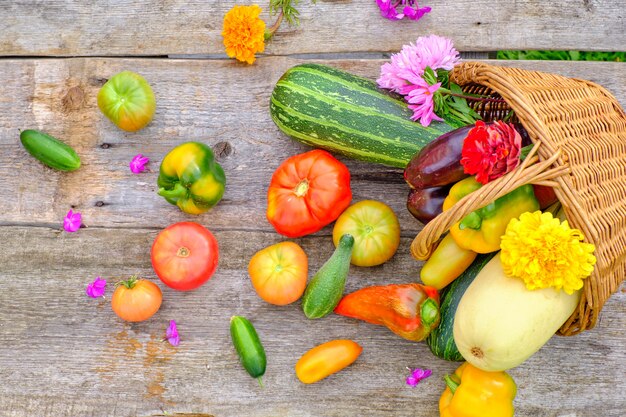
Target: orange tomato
(278, 273)
(136, 299)
(326, 359)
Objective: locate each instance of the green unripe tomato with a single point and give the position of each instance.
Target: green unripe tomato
(127, 100)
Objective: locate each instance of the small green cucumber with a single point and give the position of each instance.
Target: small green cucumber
(326, 288)
(50, 151)
(248, 346)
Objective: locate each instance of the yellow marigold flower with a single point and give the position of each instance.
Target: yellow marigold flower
(244, 33)
(546, 253)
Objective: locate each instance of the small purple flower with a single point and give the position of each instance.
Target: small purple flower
(415, 13)
(417, 375)
(72, 221)
(172, 334)
(411, 10)
(138, 164)
(96, 289)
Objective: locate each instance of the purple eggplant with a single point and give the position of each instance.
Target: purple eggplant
(426, 203)
(439, 162)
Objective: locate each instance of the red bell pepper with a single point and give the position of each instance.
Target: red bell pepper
(409, 310)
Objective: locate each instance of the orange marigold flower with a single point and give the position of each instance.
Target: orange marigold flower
(244, 33)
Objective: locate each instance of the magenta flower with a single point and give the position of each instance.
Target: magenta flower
(432, 51)
(411, 10)
(72, 221)
(417, 375)
(420, 100)
(96, 289)
(138, 164)
(172, 334)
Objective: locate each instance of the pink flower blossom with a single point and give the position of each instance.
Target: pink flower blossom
(96, 289)
(138, 163)
(417, 375)
(437, 52)
(411, 10)
(72, 221)
(432, 51)
(420, 100)
(172, 334)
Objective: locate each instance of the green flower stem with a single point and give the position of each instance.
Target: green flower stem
(270, 32)
(473, 98)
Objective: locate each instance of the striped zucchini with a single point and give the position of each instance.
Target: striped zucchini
(441, 340)
(331, 109)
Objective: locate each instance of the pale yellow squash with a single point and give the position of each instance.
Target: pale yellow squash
(499, 323)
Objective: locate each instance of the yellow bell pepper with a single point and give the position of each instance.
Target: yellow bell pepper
(482, 229)
(446, 263)
(472, 392)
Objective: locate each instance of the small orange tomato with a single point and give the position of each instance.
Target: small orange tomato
(136, 299)
(326, 359)
(279, 273)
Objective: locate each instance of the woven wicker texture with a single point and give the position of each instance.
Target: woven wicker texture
(579, 131)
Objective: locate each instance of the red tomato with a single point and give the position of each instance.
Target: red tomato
(136, 299)
(184, 255)
(279, 272)
(307, 192)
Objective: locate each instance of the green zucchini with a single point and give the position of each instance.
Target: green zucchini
(248, 346)
(334, 110)
(326, 288)
(441, 340)
(50, 151)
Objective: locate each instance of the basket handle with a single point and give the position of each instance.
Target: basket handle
(531, 171)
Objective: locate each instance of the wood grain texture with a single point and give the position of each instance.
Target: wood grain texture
(218, 102)
(64, 354)
(163, 27)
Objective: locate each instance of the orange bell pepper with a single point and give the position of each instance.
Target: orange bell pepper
(409, 310)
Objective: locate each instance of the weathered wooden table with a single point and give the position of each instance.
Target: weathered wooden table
(63, 354)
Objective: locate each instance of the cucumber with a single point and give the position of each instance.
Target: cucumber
(326, 288)
(248, 346)
(441, 339)
(50, 151)
(334, 110)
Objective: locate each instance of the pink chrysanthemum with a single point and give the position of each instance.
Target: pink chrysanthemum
(421, 101)
(431, 51)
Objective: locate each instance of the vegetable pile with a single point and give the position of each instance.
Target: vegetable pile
(494, 291)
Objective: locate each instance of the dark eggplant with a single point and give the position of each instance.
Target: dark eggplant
(439, 162)
(426, 203)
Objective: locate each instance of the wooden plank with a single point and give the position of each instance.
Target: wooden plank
(217, 102)
(148, 27)
(64, 354)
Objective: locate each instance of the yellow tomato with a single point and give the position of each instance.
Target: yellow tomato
(375, 229)
(326, 359)
(279, 273)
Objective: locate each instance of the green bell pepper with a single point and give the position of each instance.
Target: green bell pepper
(190, 178)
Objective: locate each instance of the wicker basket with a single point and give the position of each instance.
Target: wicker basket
(579, 132)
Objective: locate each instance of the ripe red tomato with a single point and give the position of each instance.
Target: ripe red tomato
(136, 299)
(184, 255)
(307, 192)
